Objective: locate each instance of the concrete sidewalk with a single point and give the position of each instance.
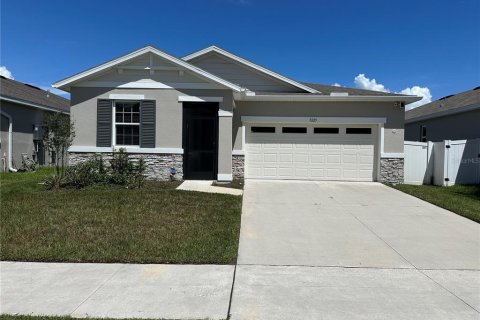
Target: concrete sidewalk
(206, 186)
(116, 290)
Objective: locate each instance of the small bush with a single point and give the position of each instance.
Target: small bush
(122, 171)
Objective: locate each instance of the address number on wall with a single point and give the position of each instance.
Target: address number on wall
(313, 119)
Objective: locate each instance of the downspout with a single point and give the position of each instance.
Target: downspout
(10, 140)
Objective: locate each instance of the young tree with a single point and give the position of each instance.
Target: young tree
(58, 136)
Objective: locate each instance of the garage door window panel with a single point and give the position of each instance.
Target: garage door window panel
(326, 130)
(259, 129)
(294, 130)
(359, 130)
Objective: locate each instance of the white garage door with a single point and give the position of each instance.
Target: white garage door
(310, 152)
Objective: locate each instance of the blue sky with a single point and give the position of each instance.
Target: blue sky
(400, 44)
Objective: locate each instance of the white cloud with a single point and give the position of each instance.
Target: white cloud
(423, 92)
(5, 72)
(363, 82)
(337, 85)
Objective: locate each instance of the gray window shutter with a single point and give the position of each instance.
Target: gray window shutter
(147, 124)
(104, 123)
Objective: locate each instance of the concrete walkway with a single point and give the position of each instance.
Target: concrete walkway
(332, 250)
(206, 186)
(116, 290)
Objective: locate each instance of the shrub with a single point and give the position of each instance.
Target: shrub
(122, 171)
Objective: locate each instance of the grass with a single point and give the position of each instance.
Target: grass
(155, 224)
(235, 184)
(463, 200)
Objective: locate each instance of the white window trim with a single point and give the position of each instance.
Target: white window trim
(114, 125)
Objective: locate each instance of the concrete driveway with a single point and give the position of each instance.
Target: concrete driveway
(332, 250)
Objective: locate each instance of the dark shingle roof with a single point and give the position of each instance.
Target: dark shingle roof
(326, 90)
(452, 102)
(27, 93)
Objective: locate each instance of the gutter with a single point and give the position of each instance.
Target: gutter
(10, 141)
(32, 105)
(287, 97)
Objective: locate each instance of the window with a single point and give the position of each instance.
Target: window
(326, 130)
(127, 123)
(423, 133)
(263, 129)
(359, 130)
(294, 130)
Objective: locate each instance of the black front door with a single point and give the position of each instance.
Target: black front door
(200, 137)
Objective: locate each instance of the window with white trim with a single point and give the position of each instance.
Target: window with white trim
(127, 123)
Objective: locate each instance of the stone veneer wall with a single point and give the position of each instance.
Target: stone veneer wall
(238, 166)
(157, 165)
(391, 170)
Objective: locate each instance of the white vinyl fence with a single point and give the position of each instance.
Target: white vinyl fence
(442, 163)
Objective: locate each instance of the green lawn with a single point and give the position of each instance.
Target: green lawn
(156, 224)
(463, 200)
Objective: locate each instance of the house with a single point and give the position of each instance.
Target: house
(22, 109)
(214, 115)
(454, 117)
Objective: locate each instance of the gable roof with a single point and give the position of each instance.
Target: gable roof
(15, 91)
(215, 49)
(65, 84)
(463, 101)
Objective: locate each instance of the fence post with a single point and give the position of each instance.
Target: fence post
(430, 163)
(446, 160)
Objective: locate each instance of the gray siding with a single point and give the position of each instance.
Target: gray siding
(240, 74)
(458, 126)
(24, 119)
(168, 114)
(168, 117)
(393, 139)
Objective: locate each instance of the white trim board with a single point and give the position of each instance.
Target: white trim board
(127, 148)
(317, 97)
(314, 120)
(147, 85)
(224, 113)
(199, 99)
(25, 103)
(121, 96)
(66, 83)
(238, 152)
(392, 155)
(224, 177)
(249, 64)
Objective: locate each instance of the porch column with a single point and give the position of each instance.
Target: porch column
(224, 145)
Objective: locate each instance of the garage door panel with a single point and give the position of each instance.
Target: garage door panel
(310, 156)
(270, 157)
(285, 158)
(317, 158)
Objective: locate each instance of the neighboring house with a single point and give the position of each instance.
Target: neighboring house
(455, 117)
(22, 108)
(213, 115)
